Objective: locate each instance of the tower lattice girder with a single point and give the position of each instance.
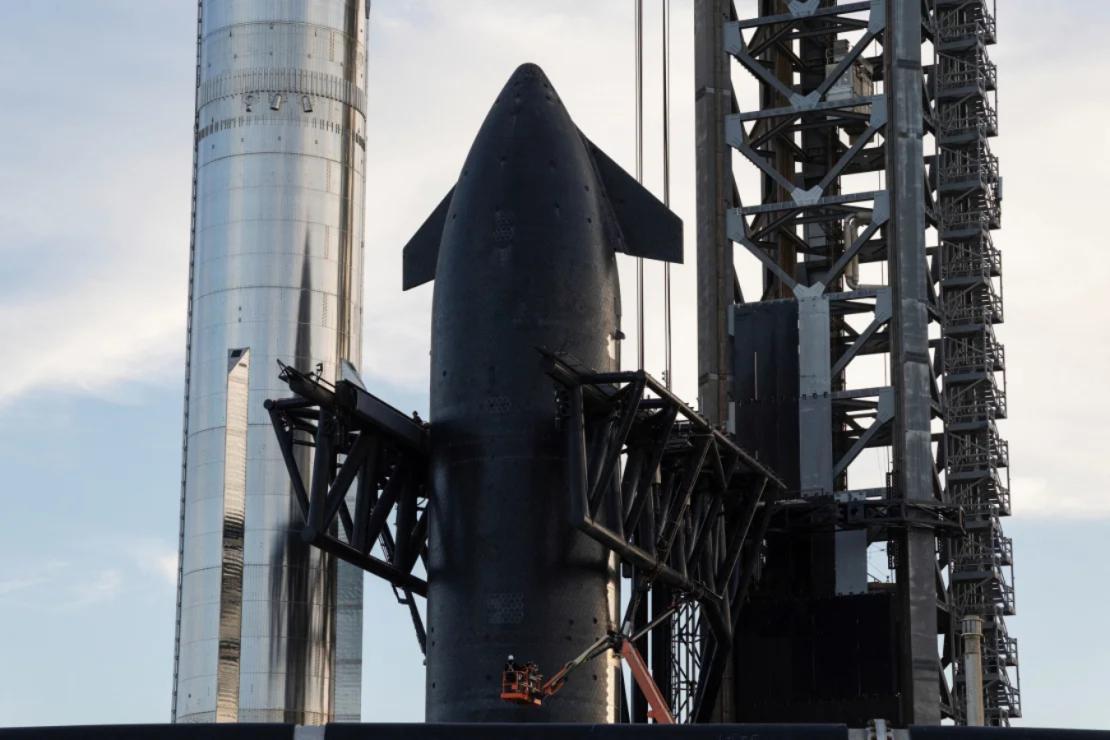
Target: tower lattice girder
(878, 198)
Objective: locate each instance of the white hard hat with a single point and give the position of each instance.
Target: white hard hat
(510, 657)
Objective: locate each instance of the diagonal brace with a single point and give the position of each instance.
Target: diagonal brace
(882, 317)
(883, 417)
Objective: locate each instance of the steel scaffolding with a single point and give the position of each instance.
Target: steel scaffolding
(687, 635)
(973, 369)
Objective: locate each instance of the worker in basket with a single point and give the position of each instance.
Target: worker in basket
(525, 685)
(521, 684)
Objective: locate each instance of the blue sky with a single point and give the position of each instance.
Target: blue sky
(94, 216)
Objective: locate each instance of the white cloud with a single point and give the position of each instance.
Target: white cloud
(18, 584)
(1038, 499)
(1054, 260)
(155, 557)
(132, 336)
(101, 297)
(28, 577)
(94, 214)
(59, 586)
(95, 570)
(167, 568)
(102, 585)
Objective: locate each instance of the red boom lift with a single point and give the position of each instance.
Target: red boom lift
(525, 686)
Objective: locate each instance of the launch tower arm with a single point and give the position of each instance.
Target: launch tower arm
(368, 454)
(680, 479)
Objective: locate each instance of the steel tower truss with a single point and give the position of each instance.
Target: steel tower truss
(968, 197)
(848, 196)
(838, 141)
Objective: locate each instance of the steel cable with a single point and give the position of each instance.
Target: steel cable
(667, 183)
(640, 175)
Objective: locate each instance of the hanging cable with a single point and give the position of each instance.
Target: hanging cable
(667, 182)
(640, 175)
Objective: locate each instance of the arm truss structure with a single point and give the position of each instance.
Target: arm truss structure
(676, 499)
(687, 510)
(359, 441)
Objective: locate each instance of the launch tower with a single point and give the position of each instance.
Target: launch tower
(866, 125)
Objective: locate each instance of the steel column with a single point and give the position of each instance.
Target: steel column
(910, 363)
(716, 280)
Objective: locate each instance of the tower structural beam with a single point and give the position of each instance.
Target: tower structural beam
(910, 361)
(717, 290)
(716, 279)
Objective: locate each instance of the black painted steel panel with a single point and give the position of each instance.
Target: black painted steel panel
(818, 660)
(765, 384)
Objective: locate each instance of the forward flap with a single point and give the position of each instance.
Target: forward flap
(647, 227)
(422, 252)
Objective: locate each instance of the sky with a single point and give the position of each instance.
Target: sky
(95, 165)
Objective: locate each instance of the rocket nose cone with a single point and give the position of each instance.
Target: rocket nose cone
(529, 74)
(530, 85)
